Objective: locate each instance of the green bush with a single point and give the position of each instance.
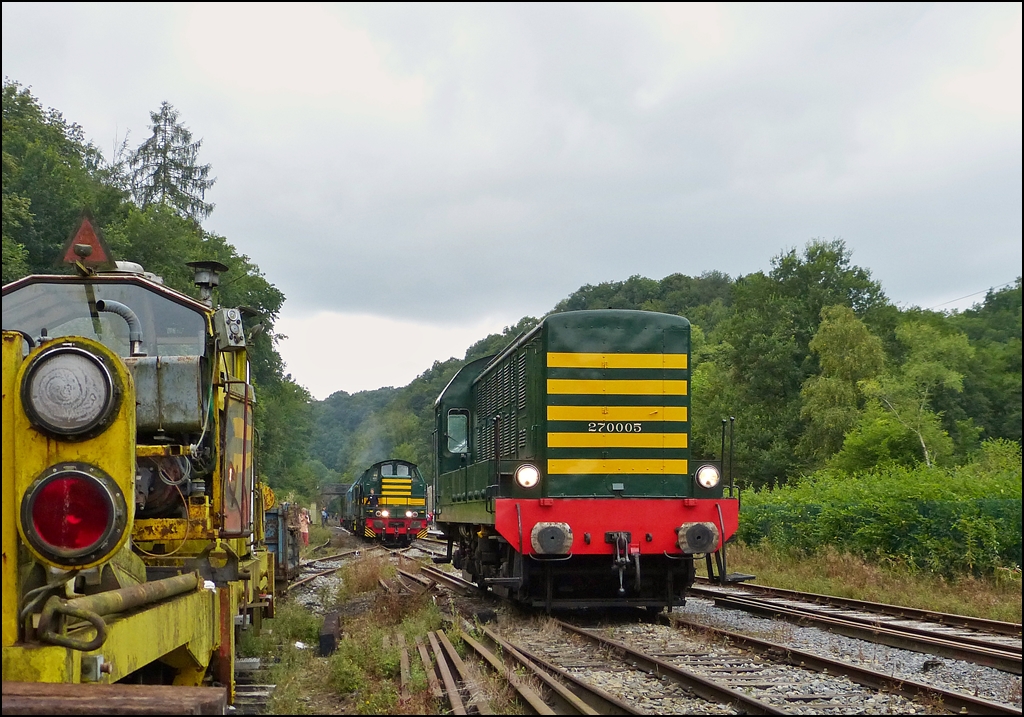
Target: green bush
(951, 521)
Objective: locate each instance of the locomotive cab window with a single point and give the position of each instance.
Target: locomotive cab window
(458, 431)
(70, 309)
(392, 470)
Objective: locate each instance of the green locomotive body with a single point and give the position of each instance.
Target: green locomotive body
(388, 503)
(565, 459)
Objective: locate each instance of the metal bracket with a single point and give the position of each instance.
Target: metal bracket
(621, 539)
(229, 572)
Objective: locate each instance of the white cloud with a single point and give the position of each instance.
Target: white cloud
(490, 159)
(269, 51)
(331, 351)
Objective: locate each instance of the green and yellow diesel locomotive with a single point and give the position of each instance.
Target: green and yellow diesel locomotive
(564, 476)
(132, 515)
(388, 502)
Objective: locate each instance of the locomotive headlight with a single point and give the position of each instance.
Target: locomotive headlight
(384, 514)
(527, 475)
(409, 514)
(68, 392)
(708, 476)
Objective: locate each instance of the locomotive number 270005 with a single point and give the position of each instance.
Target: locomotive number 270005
(602, 427)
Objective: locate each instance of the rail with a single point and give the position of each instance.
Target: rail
(997, 627)
(700, 686)
(1000, 657)
(958, 702)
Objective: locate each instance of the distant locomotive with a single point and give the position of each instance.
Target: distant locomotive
(564, 469)
(132, 512)
(388, 503)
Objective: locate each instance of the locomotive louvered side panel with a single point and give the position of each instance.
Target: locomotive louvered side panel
(502, 395)
(521, 381)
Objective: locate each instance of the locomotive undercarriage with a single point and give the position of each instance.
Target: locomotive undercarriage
(572, 581)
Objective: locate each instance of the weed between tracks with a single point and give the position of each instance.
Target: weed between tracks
(364, 675)
(833, 573)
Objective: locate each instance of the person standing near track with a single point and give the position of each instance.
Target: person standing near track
(304, 526)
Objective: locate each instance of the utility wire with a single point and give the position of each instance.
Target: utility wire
(992, 288)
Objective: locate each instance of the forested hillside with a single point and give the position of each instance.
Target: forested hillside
(149, 202)
(819, 368)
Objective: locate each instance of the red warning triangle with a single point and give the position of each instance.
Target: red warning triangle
(86, 245)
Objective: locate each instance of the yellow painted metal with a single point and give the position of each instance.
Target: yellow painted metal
(616, 387)
(112, 451)
(401, 501)
(184, 632)
(640, 466)
(617, 413)
(198, 526)
(617, 440)
(586, 360)
(12, 348)
(158, 451)
(182, 626)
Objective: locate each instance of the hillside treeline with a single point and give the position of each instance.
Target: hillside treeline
(818, 367)
(821, 370)
(149, 202)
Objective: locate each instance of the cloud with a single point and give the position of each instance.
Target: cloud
(295, 51)
(447, 163)
(333, 351)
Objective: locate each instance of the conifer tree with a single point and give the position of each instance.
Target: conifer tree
(165, 168)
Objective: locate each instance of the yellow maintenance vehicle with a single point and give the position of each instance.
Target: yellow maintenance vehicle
(132, 511)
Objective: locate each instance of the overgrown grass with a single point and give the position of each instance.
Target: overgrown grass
(950, 521)
(362, 575)
(295, 669)
(364, 675)
(366, 666)
(831, 572)
(317, 537)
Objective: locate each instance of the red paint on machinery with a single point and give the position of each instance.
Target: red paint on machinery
(657, 517)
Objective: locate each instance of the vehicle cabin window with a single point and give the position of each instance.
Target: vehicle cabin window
(458, 431)
(69, 309)
(392, 470)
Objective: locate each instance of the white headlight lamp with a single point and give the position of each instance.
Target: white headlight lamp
(527, 476)
(708, 476)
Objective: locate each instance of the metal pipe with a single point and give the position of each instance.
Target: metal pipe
(732, 452)
(721, 456)
(134, 325)
(92, 608)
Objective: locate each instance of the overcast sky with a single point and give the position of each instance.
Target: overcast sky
(415, 177)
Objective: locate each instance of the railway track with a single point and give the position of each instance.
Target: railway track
(995, 627)
(951, 636)
(778, 678)
(569, 662)
(928, 694)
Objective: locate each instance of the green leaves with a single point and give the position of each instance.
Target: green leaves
(831, 402)
(165, 168)
(50, 173)
(947, 520)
